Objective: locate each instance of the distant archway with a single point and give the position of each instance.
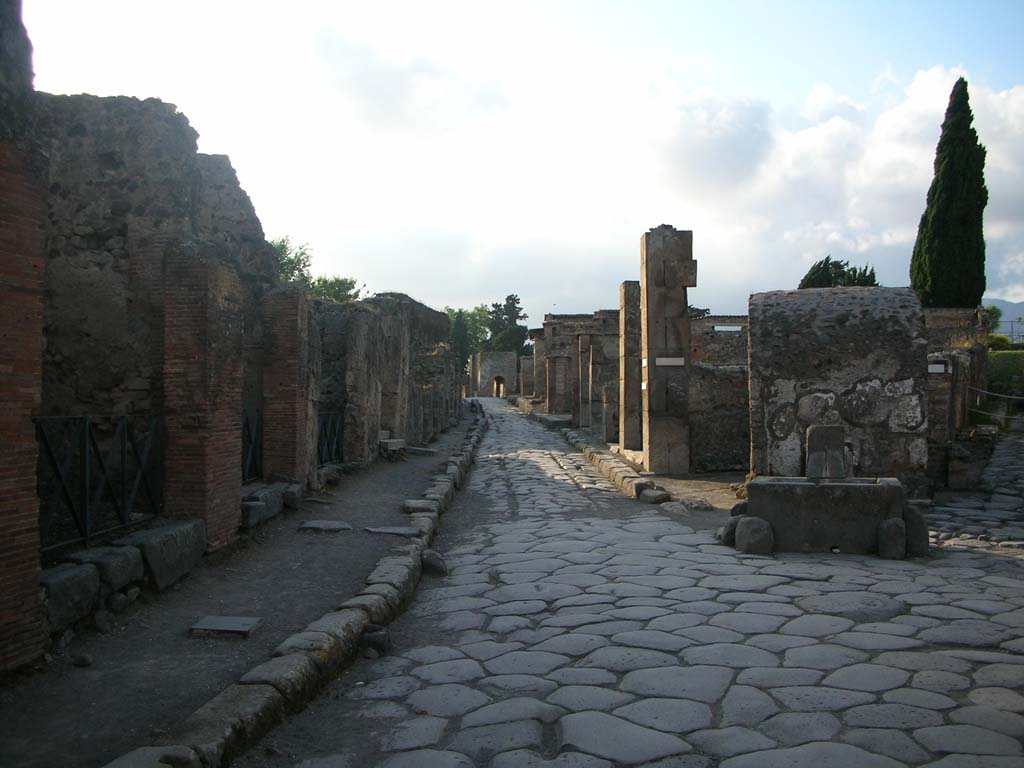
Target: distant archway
(498, 386)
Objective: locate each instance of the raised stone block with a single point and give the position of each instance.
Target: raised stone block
(253, 513)
(917, 531)
(394, 444)
(272, 497)
(169, 551)
(118, 566)
(225, 626)
(892, 539)
(825, 516)
(72, 593)
(754, 536)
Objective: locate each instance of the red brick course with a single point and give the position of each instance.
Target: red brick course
(286, 409)
(203, 393)
(22, 213)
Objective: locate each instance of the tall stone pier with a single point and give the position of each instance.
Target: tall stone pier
(581, 409)
(540, 367)
(630, 394)
(667, 269)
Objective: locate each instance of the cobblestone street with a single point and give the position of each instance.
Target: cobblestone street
(581, 629)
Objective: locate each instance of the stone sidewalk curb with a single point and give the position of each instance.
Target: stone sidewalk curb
(233, 720)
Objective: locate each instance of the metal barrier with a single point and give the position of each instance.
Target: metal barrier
(86, 491)
(252, 445)
(328, 441)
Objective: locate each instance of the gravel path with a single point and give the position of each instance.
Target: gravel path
(580, 629)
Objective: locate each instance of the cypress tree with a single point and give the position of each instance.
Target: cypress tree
(948, 265)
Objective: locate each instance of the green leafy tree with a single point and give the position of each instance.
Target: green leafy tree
(834, 274)
(476, 326)
(995, 317)
(505, 334)
(948, 265)
(293, 265)
(459, 335)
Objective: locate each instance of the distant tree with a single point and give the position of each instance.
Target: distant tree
(460, 336)
(834, 274)
(695, 313)
(948, 265)
(475, 320)
(293, 266)
(505, 334)
(995, 317)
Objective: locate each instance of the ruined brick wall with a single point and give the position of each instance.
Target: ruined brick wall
(525, 375)
(540, 372)
(22, 266)
(856, 357)
(561, 351)
(953, 380)
(949, 328)
(368, 346)
(719, 339)
(719, 412)
(493, 366)
(126, 186)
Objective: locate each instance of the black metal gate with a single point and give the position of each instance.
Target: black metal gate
(329, 442)
(96, 475)
(252, 445)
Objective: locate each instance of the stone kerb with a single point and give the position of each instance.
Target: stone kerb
(303, 663)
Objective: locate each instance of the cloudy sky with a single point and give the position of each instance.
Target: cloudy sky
(459, 152)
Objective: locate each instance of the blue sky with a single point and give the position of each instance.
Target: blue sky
(462, 151)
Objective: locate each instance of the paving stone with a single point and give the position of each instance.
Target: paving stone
(532, 591)
(940, 682)
(856, 606)
(779, 643)
(810, 698)
(621, 659)
(526, 663)
(792, 728)
(701, 683)
(616, 739)
(918, 698)
(519, 684)
(742, 583)
(511, 710)
(968, 739)
(671, 715)
(485, 741)
(888, 742)
(867, 677)
(823, 656)
(900, 716)
(653, 639)
(505, 624)
(729, 655)
(423, 731)
(777, 677)
(588, 697)
(524, 758)
(1001, 675)
(455, 671)
(577, 676)
(997, 698)
(428, 758)
(488, 649)
(745, 705)
(396, 687)
(922, 661)
(971, 761)
(449, 700)
(818, 754)
(429, 654)
(572, 644)
(725, 742)
(747, 623)
(875, 641)
(976, 634)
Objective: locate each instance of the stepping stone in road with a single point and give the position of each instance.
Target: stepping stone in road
(224, 626)
(397, 530)
(325, 526)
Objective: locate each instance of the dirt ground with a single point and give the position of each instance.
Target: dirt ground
(148, 675)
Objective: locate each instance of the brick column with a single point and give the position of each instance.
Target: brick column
(539, 363)
(667, 269)
(286, 384)
(581, 415)
(630, 394)
(22, 217)
(203, 400)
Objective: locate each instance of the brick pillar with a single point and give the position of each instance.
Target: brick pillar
(630, 395)
(540, 371)
(22, 217)
(667, 269)
(203, 400)
(581, 416)
(286, 384)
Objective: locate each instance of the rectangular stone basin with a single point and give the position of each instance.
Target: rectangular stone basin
(823, 515)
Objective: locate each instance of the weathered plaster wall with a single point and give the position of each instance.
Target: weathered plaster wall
(850, 356)
(719, 412)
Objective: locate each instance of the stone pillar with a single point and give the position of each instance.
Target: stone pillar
(610, 412)
(581, 415)
(667, 269)
(539, 363)
(630, 394)
(22, 265)
(285, 384)
(526, 375)
(203, 400)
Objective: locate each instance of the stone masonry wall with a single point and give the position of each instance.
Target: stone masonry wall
(22, 266)
(492, 365)
(948, 328)
(719, 412)
(709, 344)
(855, 357)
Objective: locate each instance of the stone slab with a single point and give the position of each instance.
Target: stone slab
(325, 526)
(169, 551)
(224, 626)
(118, 566)
(72, 593)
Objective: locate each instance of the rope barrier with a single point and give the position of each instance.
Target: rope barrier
(995, 394)
(994, 415)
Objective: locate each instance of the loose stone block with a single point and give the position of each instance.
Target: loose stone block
(892, 539)
(72, 593)
(754, 536)
(117, 566)
(224, 626)
(169, 551)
